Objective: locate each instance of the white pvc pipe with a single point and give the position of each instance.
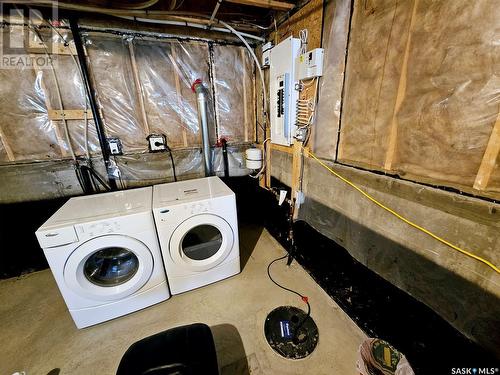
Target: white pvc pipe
(257, 62)
(190, 24)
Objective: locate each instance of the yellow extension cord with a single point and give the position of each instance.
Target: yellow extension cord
(409, 222)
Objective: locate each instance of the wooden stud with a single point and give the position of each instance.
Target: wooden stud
(68, 114)
(269, 4)
(57, 131)
(393, 134)
(6, 146)
(55, 48)
(177, 72)
(138, 86)
(268, 164)
(296, 169)
(489, 158)
(245, 109)
(265, 178)
(215, 96)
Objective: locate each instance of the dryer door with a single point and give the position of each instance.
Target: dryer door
(109, 267)
(201, 242)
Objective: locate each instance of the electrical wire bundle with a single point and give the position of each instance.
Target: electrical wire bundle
(305, 112)
(306, 108)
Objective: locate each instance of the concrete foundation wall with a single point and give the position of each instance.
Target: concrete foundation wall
(55, 179)
(462, 290)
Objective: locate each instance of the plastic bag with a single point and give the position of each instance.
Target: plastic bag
(377, 357)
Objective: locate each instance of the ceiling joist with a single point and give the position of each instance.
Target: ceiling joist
(269, 4)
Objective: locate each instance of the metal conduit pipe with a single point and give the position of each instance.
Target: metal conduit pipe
(201, 100)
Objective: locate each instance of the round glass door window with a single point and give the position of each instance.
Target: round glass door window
(201, 242)
(111, 266)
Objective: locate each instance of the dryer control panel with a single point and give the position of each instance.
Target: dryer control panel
(195, 208)
(198, 207)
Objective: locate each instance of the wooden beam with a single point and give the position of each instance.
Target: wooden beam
(287, 149)
(393, 134)
(68, 114)
(173, 59)
(138, 87)
(269, 4)
(489, 158)
(245, 108)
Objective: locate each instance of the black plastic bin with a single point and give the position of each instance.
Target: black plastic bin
(186, 350)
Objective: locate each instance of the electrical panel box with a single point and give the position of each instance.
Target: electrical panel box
(310, 64)
(282, 91)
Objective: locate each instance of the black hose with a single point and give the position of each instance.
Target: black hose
(302, 297)
(224, 157)
(101, 135)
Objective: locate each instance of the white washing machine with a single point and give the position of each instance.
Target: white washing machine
(198, 232)
(104, 253)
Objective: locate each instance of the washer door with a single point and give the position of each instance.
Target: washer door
(201, 242)
(108, 268)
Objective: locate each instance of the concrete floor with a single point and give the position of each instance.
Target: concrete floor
(38, 335)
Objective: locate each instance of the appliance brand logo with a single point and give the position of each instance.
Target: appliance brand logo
(27, 39)
(474, 370)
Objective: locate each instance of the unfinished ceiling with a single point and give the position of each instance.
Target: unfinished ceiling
(253, 16)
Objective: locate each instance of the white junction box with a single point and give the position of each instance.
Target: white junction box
(266, 54)
(310, 64)
(282, 91)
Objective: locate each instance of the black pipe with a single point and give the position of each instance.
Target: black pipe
(101, 135)
(224, 157)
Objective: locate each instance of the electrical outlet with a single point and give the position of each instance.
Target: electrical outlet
(115, 146)
(157, 142)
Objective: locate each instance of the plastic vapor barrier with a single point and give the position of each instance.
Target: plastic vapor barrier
(143, 86)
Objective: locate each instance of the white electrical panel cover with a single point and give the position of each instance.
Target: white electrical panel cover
(282, 93)
(310, 64)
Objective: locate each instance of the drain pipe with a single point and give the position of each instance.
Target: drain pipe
(201, 99)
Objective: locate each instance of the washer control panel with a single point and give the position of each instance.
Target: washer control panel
(97, 229)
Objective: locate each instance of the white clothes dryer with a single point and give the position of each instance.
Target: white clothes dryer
(197, 227)
(104, 254)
